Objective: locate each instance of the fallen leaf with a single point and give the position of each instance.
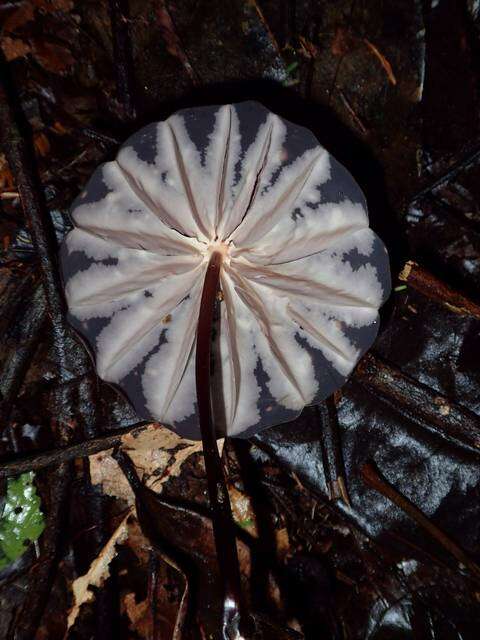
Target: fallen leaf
(342, 42)
(49, 6)
(307, 48)
(22, 14)
(158, 454)
(6, 177)
(282, 542)
(21, 521)
(59, 128)
(97, 573)
(41, 143)
(243, 511)
(137, 541)
(14, 48)
(139, 614)
(172, 41)
(52, 57)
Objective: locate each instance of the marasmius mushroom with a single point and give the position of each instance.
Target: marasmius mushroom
(233, 204)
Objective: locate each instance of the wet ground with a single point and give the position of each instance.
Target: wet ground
(361, 518)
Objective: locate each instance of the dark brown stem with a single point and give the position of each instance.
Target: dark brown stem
(35, 461)
(222, 520)
(373, 478)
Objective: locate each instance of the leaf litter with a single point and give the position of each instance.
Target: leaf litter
(158, 454)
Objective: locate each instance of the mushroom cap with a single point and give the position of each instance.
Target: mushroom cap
(302, 280)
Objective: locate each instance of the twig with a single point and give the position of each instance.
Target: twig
(383, 61)
(36, 461)
(222, 519)
(17, 362)
(363, 129)
(172, 40)
(20, 156)
(419, 403)
(122, 54)
(331, 450)
(463, 164)
(374, 479)
(420, 279)
(100, 137)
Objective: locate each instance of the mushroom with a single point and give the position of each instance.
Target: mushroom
(235, 207)
(302, 275)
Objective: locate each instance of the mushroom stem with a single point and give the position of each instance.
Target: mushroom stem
(223, 527)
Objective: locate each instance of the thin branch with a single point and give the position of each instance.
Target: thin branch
(374, 479)
(18, 360)
(20, 155)
(355, 117)
(100, 137)
(471, 159)
(122, 54)
(36, 461)
(331, 450)
(426, 283)
(422, 405)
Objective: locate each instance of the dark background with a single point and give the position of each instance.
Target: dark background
(391, 88)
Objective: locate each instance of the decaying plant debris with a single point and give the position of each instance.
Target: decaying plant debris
(358, 565)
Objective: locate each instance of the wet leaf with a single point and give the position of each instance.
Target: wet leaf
(14, 48)
(98, 571)
(413, 148)
(139, 614)
(157, 453)
(22, 521)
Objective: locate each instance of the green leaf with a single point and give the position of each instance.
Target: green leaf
(22, 520)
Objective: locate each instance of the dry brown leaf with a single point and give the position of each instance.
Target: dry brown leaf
(171, 39)
(17, 19)
(41, 144)
(52, 57)
(307, 48)
(140, 546)
(105, 471)
(282, 542)
(48, 6)
(137, 541)
(242, 510)
(158, 454)
(59, 128)
(97, 573)
(6, 177)
(342, 42)
(139, 614)
(14, 48)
